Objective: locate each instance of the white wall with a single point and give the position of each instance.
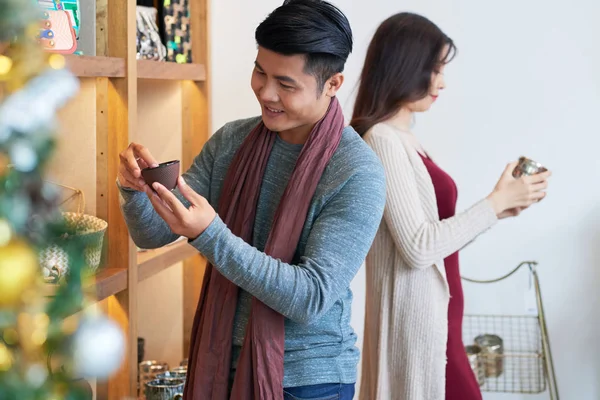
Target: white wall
(526, 81)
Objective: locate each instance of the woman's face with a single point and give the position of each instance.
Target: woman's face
(437, 84)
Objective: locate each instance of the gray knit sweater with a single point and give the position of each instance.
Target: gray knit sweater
(313, 292)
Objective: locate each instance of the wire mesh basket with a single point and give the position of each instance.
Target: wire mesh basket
(511, 353)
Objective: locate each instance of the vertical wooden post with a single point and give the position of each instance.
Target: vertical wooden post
(116, 32)
(102, 180)
(196, 124)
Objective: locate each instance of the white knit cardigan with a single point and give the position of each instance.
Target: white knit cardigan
(406, 315)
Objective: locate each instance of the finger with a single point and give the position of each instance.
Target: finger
(160, 206)
(170, 199)
(128, 160)
(142, 164)
(139, 183)
(127, 181)
(530, 199)
(143, 153)
(149, 190)
(126, 172)
(542, 176)
(131, 184)
(539, 186)
(187, 192)
(537, 196)
(510, 167)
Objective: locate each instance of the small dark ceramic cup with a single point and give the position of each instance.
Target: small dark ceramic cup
(166, 174)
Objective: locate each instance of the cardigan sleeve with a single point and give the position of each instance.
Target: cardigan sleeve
(421, 242)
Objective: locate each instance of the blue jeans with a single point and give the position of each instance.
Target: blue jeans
(326, 391)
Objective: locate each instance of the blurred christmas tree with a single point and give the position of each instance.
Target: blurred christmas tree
(45, 349)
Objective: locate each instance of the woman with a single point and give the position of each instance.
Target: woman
(413, 348)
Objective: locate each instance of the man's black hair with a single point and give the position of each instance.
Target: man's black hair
(314, 28)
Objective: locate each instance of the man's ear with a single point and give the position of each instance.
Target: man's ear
(333, 84)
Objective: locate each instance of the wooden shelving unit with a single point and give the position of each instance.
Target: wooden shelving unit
(152, 262)
(91, 67)
(163, 105)
(114, 67)
(108, 282)
(168, 70)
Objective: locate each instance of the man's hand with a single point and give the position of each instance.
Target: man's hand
(131, 162)
(189, 222)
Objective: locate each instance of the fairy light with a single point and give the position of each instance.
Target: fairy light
(5, 65)
(5, 358)
(56, 61)
(5, 232)
(40, 333)
(42, 320)
(38, 337)
(11, 336)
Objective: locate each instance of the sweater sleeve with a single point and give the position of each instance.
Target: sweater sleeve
(336, 248)
(421, 241)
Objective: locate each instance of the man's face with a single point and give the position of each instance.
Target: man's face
(288, 96)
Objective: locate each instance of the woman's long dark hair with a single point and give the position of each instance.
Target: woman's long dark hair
(404, 52)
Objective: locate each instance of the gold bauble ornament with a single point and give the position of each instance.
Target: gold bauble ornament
(18, 270)
(6, 358)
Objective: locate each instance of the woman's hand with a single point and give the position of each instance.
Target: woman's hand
(512, 195)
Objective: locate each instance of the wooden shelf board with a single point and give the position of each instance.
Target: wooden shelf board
(147, 69)
(151, 262)
(107, 282)
(110, 281)
(91, 67)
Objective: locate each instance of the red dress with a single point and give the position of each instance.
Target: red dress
(461, 383)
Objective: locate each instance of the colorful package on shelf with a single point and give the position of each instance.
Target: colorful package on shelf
(56, 32)
(70, 6)
(177, 30)
(148, 41)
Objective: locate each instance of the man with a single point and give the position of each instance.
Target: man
(298, 199)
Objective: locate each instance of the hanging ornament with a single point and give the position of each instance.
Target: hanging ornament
(98, 347)
(36, 375)
(32, 109)
(18, 270)
(23, 156)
